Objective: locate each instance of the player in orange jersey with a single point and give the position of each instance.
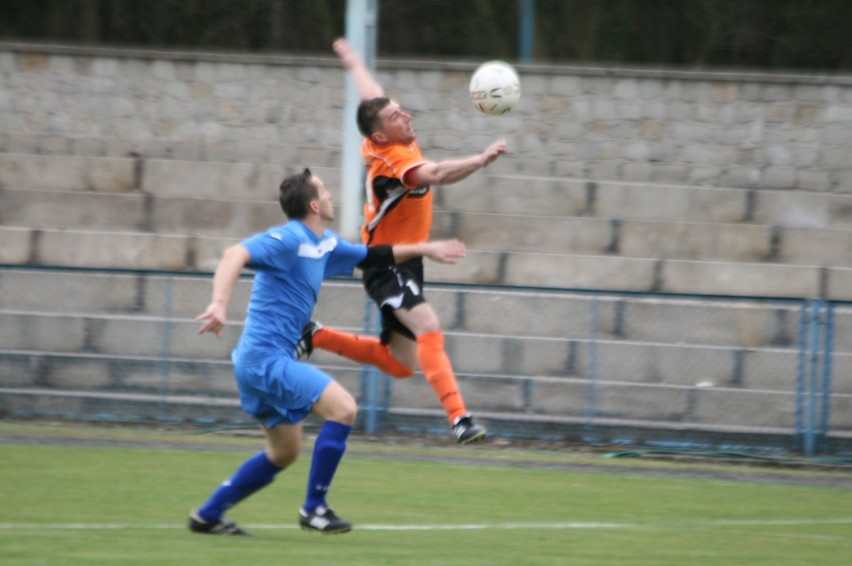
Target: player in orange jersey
(399, 210)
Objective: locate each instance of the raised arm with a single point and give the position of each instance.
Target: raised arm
(365, 83)
(454, 170)
(442, 251)
(228, 271)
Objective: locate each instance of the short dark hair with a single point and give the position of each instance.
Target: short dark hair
(295, 194)
(368, 114)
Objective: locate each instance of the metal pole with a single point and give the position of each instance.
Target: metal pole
(361, 23)
(828, 347)
(165, 353)
(813, 369)
(370, 379)
(592, 366)
(527, 30)
(800, 374)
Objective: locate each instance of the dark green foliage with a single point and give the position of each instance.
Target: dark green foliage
(808, 34)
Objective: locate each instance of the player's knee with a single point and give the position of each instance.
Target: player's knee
(430, 326)
(282, 456)
(346, 410)
(400, 371)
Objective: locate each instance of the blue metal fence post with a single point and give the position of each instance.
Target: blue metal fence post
(827, 352)
(527, 30)
(165, 353)
(813, 371)
(801, 341)
(370, 377)
(592, 366)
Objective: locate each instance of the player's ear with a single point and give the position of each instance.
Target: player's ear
(379, 137)
(313, 205)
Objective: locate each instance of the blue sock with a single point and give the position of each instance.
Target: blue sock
(328, 450)
(255, 473)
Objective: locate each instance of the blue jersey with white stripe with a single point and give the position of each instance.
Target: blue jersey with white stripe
(289, 262)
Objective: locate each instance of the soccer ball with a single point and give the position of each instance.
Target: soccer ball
(495, 88)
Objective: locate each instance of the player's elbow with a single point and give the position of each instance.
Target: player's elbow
(235, 254)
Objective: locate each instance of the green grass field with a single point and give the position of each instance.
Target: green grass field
(79, 495)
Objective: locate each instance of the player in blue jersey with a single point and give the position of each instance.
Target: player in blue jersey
(290, 261)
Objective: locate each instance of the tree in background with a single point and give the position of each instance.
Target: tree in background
(779, 34)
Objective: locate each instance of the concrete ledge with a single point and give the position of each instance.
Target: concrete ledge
(25, 47)
(697, 241)
(172, 252)
(17, 245)
(481, 193)
(741, 279)
(738, 407)
(113, 249)
(839, 283)
(53, 209)
(509, 232)
(654, 201)
(492, 232)
(67, 173)
(809, 246)
(579, 272)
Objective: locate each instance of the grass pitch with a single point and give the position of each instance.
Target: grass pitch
(77, 495)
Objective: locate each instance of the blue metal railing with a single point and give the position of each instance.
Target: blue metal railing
(814, 352)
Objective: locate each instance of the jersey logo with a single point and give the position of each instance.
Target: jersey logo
(317, 251)
(417, 192)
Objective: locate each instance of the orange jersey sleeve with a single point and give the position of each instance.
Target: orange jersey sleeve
(395, 212)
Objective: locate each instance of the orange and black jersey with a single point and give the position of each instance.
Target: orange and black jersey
(395, 212)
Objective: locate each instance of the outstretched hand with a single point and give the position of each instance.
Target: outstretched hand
(215, 317)
(493, 151)
(347, 55)
(445, 251)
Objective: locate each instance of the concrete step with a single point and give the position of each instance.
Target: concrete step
(475, 311)
(136, 211)
(483, 192)
(144, 337)
(543, 398)
(653, 239)
(119, 374)
(140, 250)
(557, 424)
(602, 198)
(483, 231)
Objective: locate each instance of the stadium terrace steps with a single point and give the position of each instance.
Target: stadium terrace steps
(138, 212)
(483, 192)
(135, 338)
(167, 214)
(120, 386)
(147, 250)
(515, 352)
(657, 239)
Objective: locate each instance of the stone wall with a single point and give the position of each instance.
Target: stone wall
(733, 129)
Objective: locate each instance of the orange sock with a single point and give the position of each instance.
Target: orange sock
(439, 373)
(361, 349)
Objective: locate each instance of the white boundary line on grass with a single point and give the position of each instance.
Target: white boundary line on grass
(572, 525)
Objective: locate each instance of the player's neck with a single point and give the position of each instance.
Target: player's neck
(316, 224)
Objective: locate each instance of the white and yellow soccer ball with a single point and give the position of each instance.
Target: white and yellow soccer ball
(495, 88)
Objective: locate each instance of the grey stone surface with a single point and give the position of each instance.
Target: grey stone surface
(15, 245)
(630, 179)
(686, 116)
(743, 279)
(112, 249)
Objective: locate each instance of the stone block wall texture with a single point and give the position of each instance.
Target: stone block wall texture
(725, 129)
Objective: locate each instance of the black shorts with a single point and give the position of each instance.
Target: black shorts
(395, 287)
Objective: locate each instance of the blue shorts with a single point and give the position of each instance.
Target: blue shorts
(279, 389)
